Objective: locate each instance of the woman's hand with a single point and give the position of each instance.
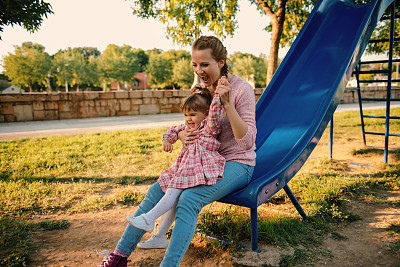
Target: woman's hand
(167, 146)
(188, 136)
(224, 90)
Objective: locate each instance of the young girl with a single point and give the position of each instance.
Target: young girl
(197, 164)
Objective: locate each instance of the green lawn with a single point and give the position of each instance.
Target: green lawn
(68, 175)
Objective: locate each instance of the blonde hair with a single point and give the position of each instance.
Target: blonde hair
(218, 50)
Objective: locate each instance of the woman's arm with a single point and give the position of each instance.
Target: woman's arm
(239, 126)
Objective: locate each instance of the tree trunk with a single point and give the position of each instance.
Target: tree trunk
(277, 20)
(49, 89)
(30, 88)
(277, 28)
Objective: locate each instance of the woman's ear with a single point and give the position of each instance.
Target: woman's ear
(221, 63)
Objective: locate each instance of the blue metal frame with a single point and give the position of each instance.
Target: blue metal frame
(389, 81)
(296, 107)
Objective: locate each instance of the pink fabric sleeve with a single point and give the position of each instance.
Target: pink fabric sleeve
(172, 133)
(214, 115)
(246, 108)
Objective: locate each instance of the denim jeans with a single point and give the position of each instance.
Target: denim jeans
(190, 203)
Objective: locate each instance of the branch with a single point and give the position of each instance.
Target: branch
(266, 8)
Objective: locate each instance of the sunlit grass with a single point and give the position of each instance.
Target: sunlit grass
(94, 172)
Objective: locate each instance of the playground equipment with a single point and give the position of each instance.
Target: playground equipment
(300, 100)
(358, 70)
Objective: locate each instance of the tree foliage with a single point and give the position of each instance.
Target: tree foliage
(118, 63)
(29, 64)
(183, 73)
(76, 66)
(187, 20)
(251, 68)
(27, 13)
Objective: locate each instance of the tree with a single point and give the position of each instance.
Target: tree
(186, 20)
(382, 31)
(118, 63)
(28, 65)
(62, 68)
(160, 70)
(28, 13)
(250, 67)
(183, 73)
(287, 18)
(142, 57)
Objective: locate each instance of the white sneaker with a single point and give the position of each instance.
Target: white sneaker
(154, 242)
(141, 222)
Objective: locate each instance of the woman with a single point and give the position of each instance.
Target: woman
(237, 137)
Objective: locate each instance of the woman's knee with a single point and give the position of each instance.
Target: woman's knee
(153, 195)
(189, 203)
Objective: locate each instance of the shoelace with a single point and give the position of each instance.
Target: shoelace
(107, 257)
(104, 253)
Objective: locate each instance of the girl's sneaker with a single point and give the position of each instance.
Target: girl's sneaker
(154, 242)
(112, 260)
(141, 222)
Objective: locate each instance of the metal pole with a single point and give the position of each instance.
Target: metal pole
(295, 201)
(389, 84)
(358, 68)
(254, 229)
(331, 139)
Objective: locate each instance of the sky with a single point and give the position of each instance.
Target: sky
(97, 23)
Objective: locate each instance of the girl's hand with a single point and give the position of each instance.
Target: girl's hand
(224, 90)
(167, 146)
(187, 136)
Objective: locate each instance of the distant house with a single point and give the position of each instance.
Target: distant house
(12, 89)
(139, 82)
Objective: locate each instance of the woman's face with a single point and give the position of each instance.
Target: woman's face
(206, 67)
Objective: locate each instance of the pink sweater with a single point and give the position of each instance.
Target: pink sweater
(240, 150)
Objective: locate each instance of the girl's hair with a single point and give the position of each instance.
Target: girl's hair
(200, 100)
(218, 50)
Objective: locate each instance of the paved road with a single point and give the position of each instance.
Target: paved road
(16, 130)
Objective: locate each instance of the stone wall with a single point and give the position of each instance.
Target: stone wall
(351, 96)
(58, 106)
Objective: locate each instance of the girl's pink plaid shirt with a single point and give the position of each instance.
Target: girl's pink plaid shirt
(198, 163)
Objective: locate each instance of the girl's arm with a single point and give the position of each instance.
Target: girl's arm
(214, 115)
(172, 133)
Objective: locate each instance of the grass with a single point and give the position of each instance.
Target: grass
(75, 174)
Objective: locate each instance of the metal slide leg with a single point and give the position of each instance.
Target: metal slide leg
(331, 139)
(254, 230)
(294, 201)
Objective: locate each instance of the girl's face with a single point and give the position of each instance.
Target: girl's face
(193, 118)
(207, 68)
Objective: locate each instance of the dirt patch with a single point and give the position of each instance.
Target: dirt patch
(366, 241)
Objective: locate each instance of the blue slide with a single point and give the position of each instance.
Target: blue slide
(300, 100)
